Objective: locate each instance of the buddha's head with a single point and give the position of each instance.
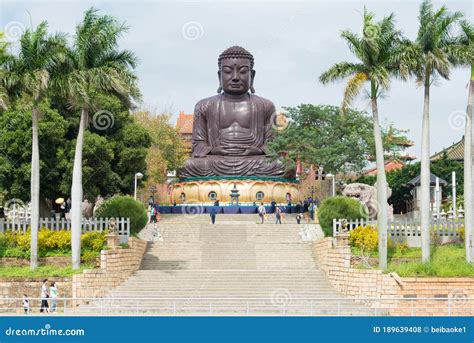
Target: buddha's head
(236, 72)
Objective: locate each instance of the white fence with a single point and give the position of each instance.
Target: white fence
(122, 225)
(406, 229)
(324, 306)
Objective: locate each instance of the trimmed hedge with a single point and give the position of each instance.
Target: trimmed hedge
(339, 207)
(127, 207)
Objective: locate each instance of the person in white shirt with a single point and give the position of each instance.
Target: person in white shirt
(53, 292)
(261, 212)
(44, 297)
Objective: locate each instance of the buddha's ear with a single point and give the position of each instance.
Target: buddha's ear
(252, 77)
(219, 90)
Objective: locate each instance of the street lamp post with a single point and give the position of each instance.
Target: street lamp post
(333, 177)
(137, 176)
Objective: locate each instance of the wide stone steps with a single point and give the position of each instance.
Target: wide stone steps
(235, 267)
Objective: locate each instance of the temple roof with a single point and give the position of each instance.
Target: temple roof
(416, 181)
(389, 166)
(454, 152)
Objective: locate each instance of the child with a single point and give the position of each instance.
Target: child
(298, 218)
(26, 304)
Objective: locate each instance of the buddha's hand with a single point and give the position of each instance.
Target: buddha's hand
(228, 150)
(253, 151)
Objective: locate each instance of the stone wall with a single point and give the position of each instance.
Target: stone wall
(11, 288)
(396, 294)
(115, 267)
(58, 261)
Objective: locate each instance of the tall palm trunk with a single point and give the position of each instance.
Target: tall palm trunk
(35, 189)
(382, 215)
(425, 174)
(468, 175)
(76, 194)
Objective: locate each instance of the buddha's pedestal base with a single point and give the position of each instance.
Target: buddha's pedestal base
(252, 189)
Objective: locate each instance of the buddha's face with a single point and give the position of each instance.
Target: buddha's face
(236, 75)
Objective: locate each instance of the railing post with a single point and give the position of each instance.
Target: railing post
(311, 312)
(338, 307)
(248, 308)
(449, 306)
(412, 308)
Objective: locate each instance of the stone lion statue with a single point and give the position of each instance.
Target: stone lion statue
(367, 196)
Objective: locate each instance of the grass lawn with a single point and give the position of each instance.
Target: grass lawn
(446, 261)
(42, 271)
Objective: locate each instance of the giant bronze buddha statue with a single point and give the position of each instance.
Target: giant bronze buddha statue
(231, 129)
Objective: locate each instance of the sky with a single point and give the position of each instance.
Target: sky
(178, 43)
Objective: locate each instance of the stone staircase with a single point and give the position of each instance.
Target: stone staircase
(235, 267)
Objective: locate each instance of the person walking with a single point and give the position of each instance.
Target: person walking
(278, 215)
(311, 208)
(273, 206)
(26, 304)
(44, 297)
(63, 211)
(213, 215)
(53, 291)
(262, 212)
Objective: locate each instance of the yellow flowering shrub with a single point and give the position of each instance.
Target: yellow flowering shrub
(364, 237)
(93, 240)
(462, 233)
(50, 241)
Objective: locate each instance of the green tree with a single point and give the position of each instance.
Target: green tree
(374, 50)
(15, 149)
(319, 135)
(167, 151)
(94, 64)
(29, 74)
(427, 58)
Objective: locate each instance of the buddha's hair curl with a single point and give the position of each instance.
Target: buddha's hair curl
(235, 52)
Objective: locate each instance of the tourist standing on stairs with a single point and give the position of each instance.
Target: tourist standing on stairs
(273, 206)
(213, 216)
(262, 212)
(278, 215)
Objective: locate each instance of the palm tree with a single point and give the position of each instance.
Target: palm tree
(374, 50)
(4, 58)
(29, 74)
(462, 54)
(94, 65)
(427, 58)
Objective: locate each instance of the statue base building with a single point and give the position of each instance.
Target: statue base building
(250, 189)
